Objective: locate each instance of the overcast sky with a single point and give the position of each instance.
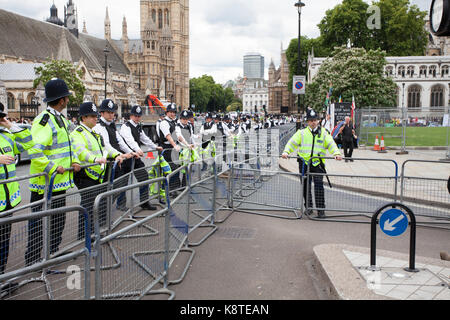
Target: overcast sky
(221, 32)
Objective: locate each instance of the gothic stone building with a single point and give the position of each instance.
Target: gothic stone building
(280, 96)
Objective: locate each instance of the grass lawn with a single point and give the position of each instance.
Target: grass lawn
(415, 136)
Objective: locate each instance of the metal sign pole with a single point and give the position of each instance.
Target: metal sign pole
(405, 118)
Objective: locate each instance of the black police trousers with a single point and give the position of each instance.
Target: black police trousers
(319, 192)
(5, 235)
(35, 233)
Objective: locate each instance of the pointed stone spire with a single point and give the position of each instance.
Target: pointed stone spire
(84, 27)
(107, 26)
(124, 29)
(63, 49)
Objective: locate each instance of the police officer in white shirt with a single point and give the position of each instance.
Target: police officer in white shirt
(184, 131)
(135, 137)
(208, 130)
(167, 140)
(113, 140)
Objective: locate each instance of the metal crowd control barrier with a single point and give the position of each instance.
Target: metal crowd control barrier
(62, 275)
(428, 196)
(348, 195)
(139, 264)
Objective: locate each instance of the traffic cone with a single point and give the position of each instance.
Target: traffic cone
(382, 146)
(150, 156)
(376, 147)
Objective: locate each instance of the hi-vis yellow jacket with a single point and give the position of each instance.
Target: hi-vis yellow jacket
(12, 144)
(303, 141)
(89, 146)
(53, 148)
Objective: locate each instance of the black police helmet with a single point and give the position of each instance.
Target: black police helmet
(88, 109)
(311, 115)
(136, 111)
(171, 108)
(184, 115)
(108, 105)
(56, 89)
(2, 111)
(209, 115)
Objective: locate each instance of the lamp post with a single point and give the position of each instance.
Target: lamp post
(299, 6)
(405, 118)
(106, 51)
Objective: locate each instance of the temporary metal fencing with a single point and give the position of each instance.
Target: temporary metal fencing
(429, 196)
(57, 277)
(348, 195)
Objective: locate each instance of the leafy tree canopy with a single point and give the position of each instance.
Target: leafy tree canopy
(66, 71)
(353, 72)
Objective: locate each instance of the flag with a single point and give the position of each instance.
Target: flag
(353, 109)
(340, 99)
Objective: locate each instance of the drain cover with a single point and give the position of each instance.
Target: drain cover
(236, 233)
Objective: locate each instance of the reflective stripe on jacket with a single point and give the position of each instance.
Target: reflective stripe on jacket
(12, 144)
(53, 148)
(303, 141)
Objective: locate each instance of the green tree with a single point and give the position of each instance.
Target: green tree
(353, 72)
(235, 106)
(66, 71)
(401, 33)
(207, 95)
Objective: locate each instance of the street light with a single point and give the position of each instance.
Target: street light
(299, 6)
(405, 118)
(106, 51)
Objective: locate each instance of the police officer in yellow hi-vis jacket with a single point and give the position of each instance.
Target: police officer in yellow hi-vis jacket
(312, 143)
(52, 152)
(90, 148)
(13, 140)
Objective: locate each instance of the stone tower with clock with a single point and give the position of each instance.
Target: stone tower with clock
(71, 18)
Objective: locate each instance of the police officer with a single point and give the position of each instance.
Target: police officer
(184, 130)
(168, 142)
(158, 123)
(208, 130)
(107, 129)
(13, 141)
(90, 148)
(135, 137)
(312, 142)
(52, 152)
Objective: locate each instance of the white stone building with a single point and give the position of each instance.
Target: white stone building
(255, 97)
(423, 82)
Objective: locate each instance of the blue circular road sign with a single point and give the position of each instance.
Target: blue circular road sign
(299, 85)
(394, 222)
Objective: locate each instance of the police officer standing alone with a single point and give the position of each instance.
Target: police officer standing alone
(312, 143)
(135, 137)
(13, 141)
(52, 152)
(90, 149)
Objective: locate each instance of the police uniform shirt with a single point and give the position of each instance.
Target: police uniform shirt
(125, 132)
(101, 130)
(208, 130)
(224, 128)
(158, 123)
(165, 128)
(184, 132)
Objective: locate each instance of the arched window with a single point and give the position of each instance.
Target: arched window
(31, 98)
(11, 101)
(401, 71)
(389, 71)
(414, 92)
(437, 96)
(445, 70)
(154, 15)
(167, 17)
(148, 44)
(423, 71)
(410, 71)
(160, 19)
(153, 45)
(432, 71)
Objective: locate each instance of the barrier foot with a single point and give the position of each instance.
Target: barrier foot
(205, 237)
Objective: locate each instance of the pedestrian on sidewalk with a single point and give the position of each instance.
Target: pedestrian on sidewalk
(348, 133)
(312, 143)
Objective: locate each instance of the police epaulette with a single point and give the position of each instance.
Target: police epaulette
(80, 129)
(44, 120)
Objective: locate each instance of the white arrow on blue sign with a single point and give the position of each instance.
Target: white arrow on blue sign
(394, 222)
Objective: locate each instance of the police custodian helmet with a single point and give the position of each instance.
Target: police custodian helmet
(136, 111)
(311, 115)
(108, 105)
(184, 115)
(56, 89)
(171, 108)
(88, 109)
(3, 111)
